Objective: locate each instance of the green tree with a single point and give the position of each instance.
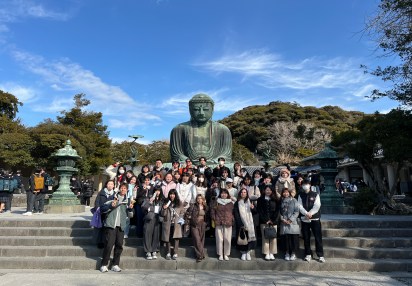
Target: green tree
(388, 133)
(49, 136)
(15, 144)
(121, 152)
(9, 105)
(391, 28)
(96, 137)
(242, 155)
(155, 150)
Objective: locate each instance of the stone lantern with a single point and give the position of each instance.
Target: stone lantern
(331, 200)
(64, 200)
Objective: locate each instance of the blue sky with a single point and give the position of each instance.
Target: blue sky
(139, 62)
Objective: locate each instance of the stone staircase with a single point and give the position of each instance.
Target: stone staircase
(351, 243)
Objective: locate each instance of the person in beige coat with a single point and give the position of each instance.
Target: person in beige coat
(173, 219)
(285, 181)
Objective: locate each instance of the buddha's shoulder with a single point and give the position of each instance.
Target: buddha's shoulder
(183, 125)
(221, 126)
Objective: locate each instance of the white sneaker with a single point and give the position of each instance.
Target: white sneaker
(272, 257)
(27, 213)
(243, 257)
(39, 213)
(267, 257)
(168, 256)
(148, 256)
(125, 236)
(116, 268)
(154, 255)
(174, 257)
(293, 257)
(307, 258)
(248, 256)
(221, 257)
(104, 269)
(226, 257)
(322, 259)
(287, 257)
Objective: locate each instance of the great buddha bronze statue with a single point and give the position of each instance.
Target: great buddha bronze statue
(201, 136)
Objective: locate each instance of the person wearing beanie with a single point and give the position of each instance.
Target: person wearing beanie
(284, 181)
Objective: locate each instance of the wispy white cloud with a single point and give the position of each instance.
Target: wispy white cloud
(177, 104)
(65, 76)
(16, 10)
(271, 71)
(53, 105)
(23, 93)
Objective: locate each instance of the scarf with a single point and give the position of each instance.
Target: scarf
(223, 202)
(247, 218)
(108, 193)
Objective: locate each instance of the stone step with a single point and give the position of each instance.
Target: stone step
(182, 263)
(45, 240)
(45, 231)
(44, 221)
(367, 242)
(34, 221)
(367, 253)
(367, 232)
(188, 251)
(386, 222)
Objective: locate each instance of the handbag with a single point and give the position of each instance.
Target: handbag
(130, 213)
(270, 232)
(242, 237)
(161, 219)
(96, 221)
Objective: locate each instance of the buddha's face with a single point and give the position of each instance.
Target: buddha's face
(201, 112)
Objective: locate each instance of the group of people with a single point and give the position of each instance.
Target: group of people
(195, 200)
(83, 189)
(40, 184)
(9, 182)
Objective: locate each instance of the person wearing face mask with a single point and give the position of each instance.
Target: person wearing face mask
(218, 170)
(309, 207)
(118, 176)
(201, 185)
(285, 181)
(75, 186)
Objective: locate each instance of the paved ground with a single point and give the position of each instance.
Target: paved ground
(158, 278)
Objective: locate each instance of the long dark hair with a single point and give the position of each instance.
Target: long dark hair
(176, 201)
(161, 197)
(201, 184)
(239, 196)
(272, 188)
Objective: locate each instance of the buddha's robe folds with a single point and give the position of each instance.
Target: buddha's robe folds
(213, 140)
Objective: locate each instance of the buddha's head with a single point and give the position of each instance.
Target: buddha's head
(201, 108)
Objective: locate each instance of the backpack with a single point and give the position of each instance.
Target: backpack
(38, 183)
